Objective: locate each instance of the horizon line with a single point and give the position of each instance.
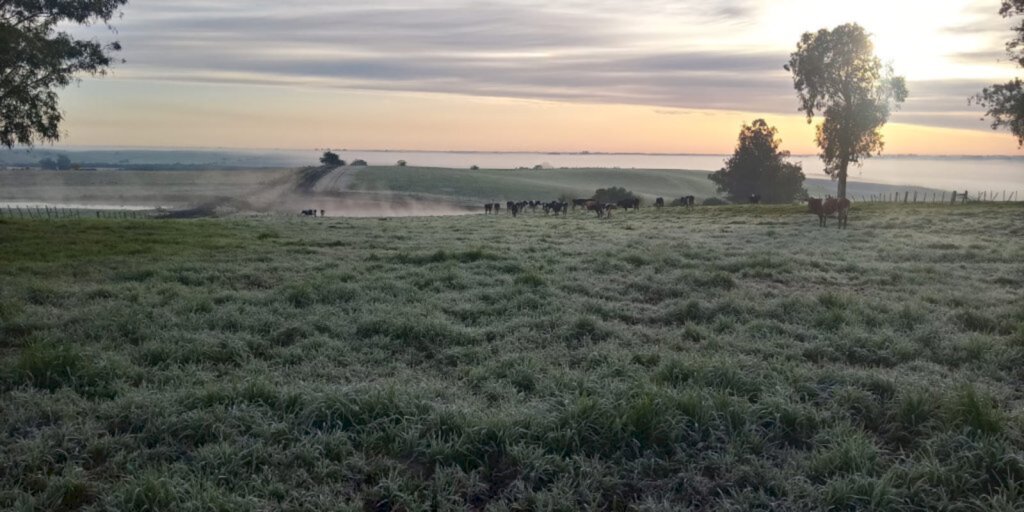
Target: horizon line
(469, 151)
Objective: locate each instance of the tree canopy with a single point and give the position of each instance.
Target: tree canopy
(837, 75)
(37, 59)
(1004, 103)
(331, 159)
(757, 166)
(613, 195)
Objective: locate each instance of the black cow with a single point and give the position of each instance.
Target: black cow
(687, 201)
(755, 199)
(488, 208)
(308, 213)
(659, 202)
(626, 204)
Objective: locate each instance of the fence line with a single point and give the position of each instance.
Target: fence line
(57, 213)
(918, 196)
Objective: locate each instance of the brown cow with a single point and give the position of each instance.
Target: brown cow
(817, 207)
(843, 212)
(828, 207)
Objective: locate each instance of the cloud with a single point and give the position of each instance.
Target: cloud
(602, 51)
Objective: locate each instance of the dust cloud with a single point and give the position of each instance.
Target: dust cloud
(194, 194)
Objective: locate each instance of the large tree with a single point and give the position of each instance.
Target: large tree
(1004, 103)
(759, 167)
(37, 58)
(838, 76)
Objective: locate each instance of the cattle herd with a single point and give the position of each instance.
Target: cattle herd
(823, 208)
(601, 209)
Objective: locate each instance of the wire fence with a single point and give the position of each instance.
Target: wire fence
(46, 212)
(955, 197)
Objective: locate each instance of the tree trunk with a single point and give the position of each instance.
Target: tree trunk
(843, 166)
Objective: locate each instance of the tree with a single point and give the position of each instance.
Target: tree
(359, 163)
(758, 167)
(331, 159)
(837, 75)
(1004, 103)
(37, 59)
(402, 163)
(63, 162)
(613, 195)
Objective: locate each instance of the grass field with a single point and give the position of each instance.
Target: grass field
(732, 358)
(146, 188)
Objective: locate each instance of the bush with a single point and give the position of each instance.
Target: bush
(474, 168)
(401, 163)
(715, 201)
(613, 195)
(331, 159)
(358, 163)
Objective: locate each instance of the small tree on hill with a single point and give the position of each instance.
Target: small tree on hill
(63, 162)
(1004, 103)
(613, 195)
(402, 163)
(757, 166)
(359, 163)
(48, 164)
(331, 159)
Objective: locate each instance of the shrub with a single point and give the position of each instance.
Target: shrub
(401, 163)
(613, 195)
(715, 201)
(331, 159)
(358, 163)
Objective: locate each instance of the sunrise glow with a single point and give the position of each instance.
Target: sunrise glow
(647, 77)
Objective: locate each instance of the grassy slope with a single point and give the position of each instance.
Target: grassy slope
(492, 184)
(728, 358)
(131, 187)
(180, 188)
(501, 184)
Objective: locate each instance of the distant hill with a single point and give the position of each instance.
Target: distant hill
(499, 184)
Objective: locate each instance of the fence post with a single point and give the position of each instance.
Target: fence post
(963, 199)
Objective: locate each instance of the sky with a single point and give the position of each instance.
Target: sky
(665, 76)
